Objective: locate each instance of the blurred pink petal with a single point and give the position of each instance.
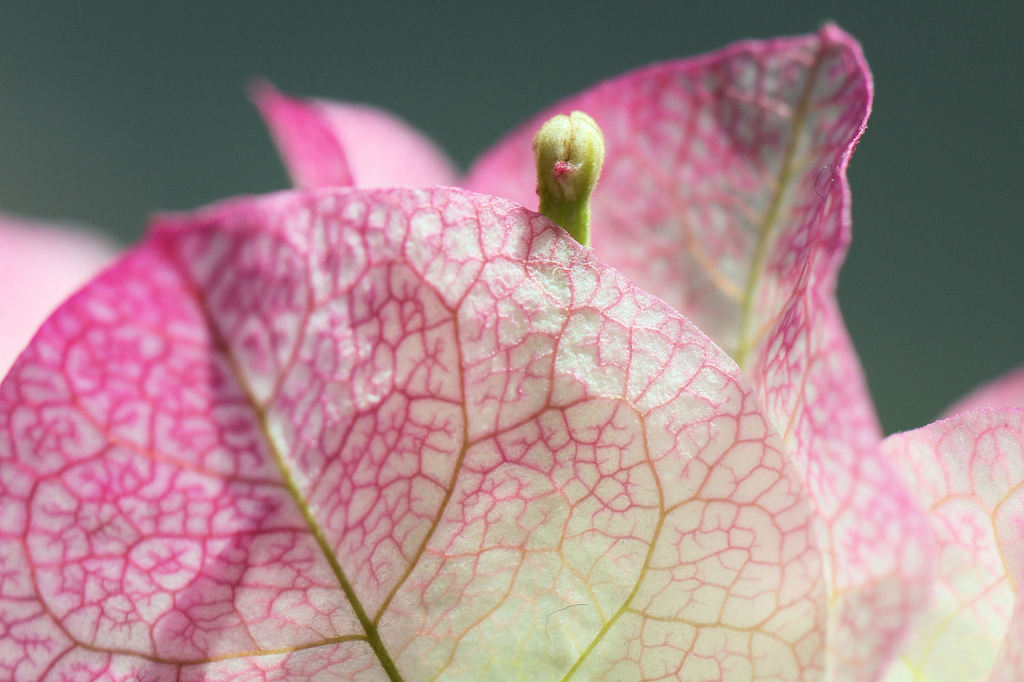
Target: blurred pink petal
(1004, 391)
(40, 265)
(328, 144)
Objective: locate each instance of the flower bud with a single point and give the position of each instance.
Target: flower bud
(569, 152)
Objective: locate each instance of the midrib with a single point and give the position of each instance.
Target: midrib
(769, 222)
(369, 628)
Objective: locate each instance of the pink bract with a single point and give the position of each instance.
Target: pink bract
(332, 144)
(1004, 391)
(724, 192)
(339, 434)
(352, 433)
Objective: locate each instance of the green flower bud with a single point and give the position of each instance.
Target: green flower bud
(570, 153)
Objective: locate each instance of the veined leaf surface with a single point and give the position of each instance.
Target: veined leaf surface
(391, 434)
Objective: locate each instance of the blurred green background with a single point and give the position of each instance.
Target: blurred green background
(111, 110)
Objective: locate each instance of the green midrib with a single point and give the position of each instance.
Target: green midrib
(372, 635)
(643, 569)
(766, 230)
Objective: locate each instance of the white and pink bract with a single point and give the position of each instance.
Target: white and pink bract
(397, 425)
